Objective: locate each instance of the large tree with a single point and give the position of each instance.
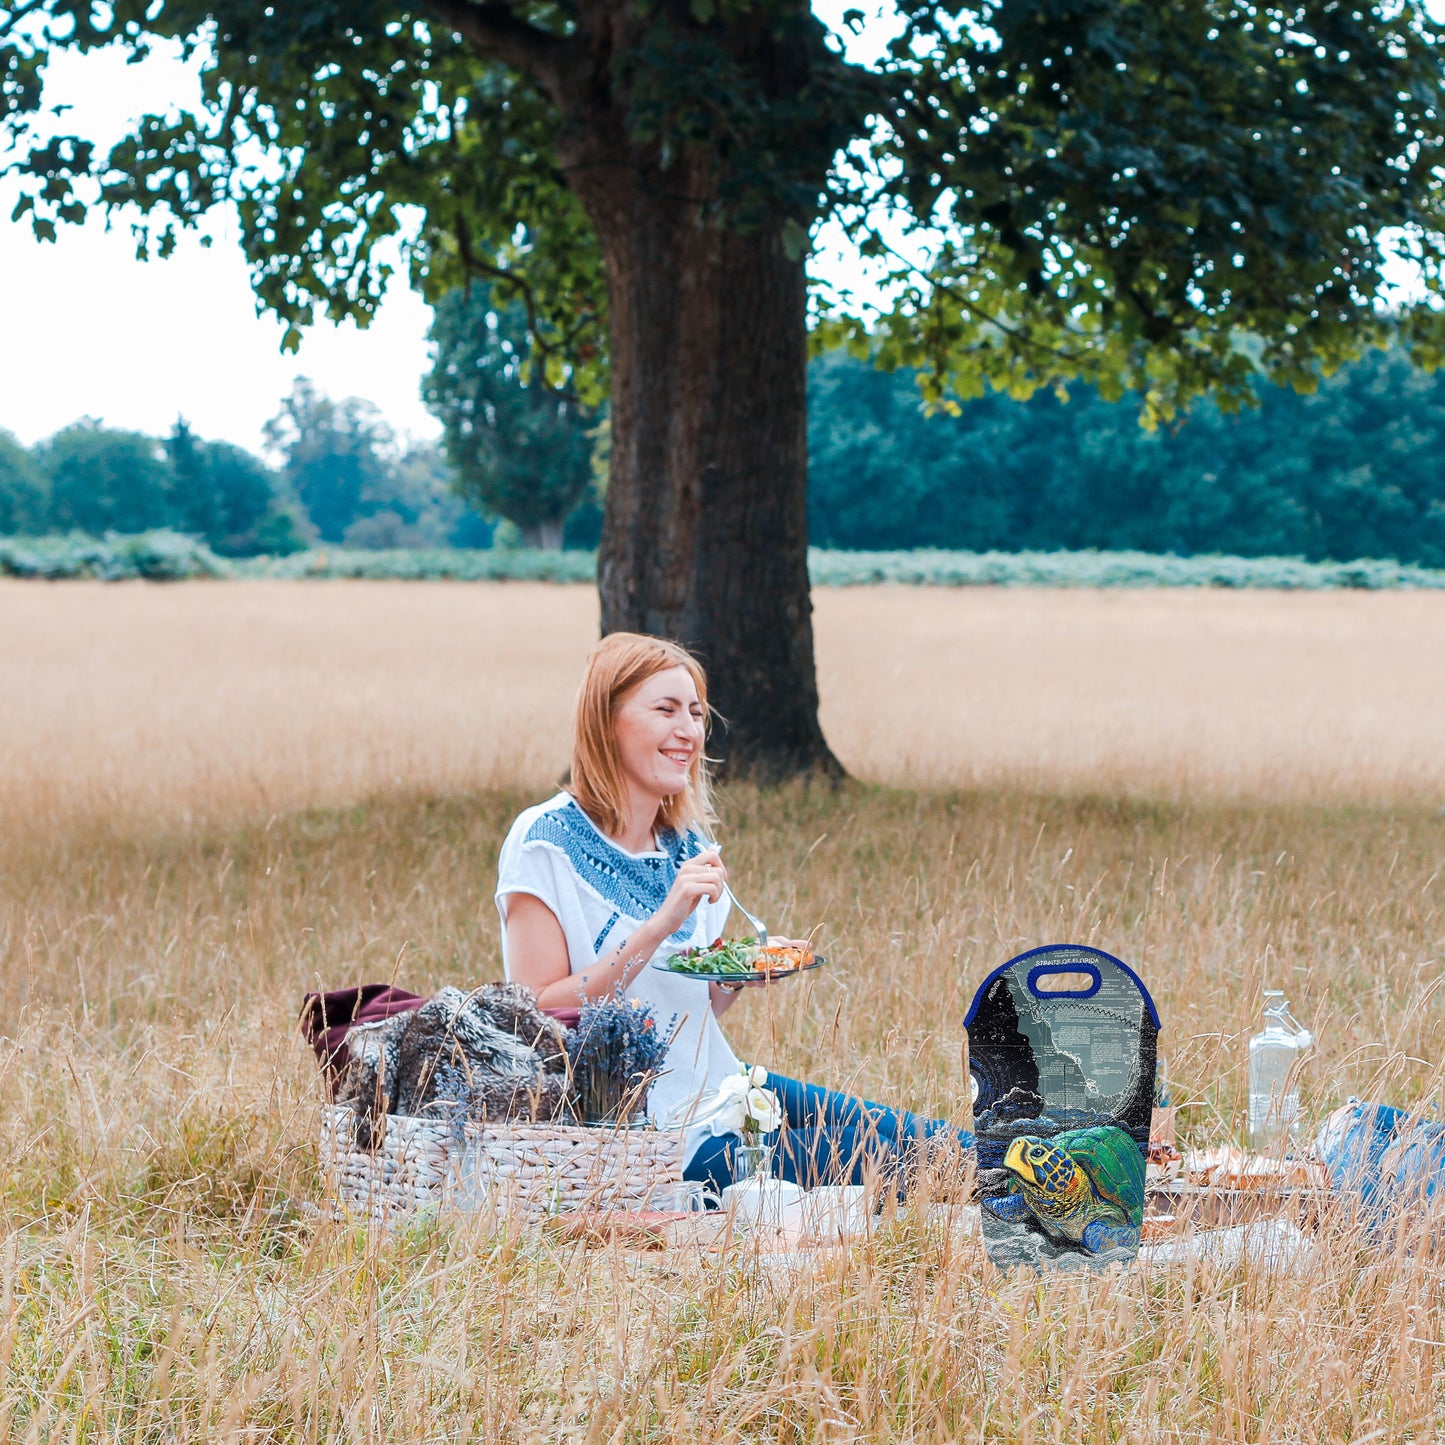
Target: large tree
(1172, 195)
(338, 456)
(102, 479)
(24, 497)
(521, 447)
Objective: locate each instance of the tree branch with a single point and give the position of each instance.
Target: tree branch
(18, 13)
(494, 31)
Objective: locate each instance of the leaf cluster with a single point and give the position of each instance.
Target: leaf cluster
(350, 139)
(754, 86)
(1173, 196)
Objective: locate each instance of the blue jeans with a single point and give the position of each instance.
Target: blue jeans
(827, 1138)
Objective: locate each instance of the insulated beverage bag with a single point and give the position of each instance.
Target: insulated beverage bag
(1061, 1052)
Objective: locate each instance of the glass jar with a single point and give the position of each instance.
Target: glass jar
(752, 1161)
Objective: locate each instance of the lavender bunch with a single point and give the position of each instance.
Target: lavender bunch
(614, 1054)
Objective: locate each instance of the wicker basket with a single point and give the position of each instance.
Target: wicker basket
(527, 1169)
(538, 1169)
(413, 1167)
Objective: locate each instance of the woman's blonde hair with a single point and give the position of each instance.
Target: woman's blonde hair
(615, 666)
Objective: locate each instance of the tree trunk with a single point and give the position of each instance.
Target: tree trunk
(705, 533)
(545, 536)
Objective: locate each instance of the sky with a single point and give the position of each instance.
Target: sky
(88, 330)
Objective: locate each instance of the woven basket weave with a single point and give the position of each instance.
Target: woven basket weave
(537, 1169)
(413, 1167)
(526, 1169)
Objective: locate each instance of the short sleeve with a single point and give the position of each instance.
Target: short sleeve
(534, 870)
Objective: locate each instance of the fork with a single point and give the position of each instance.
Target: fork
(760, 929)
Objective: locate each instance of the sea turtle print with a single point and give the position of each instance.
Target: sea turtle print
(1085, 1186)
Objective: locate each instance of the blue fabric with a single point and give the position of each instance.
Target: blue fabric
(638, 887)
(1389, 1159)
(826, 1138)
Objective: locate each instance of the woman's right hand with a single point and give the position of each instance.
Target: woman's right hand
(698, 878)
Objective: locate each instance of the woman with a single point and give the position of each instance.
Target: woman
(618, 871)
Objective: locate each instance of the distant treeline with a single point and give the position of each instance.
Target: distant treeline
(344, 478)
(1355, 470)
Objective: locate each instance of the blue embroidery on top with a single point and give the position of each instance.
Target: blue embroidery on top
(606, 929)
(636, 887)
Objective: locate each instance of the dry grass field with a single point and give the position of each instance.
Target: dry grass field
(213, 797)
(146, 703)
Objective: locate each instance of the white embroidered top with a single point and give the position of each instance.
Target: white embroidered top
(600, 893)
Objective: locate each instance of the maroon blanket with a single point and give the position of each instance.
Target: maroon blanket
(327, 1018)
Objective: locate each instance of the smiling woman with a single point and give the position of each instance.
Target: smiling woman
(619, 871)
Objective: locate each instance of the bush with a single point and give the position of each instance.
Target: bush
(157, 556)
(165, 556)
(1105, 569)
(442, 563)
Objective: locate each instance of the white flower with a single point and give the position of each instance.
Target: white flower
(740, 1103)
(762, 1107)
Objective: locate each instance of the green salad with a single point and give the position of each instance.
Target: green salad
(728, 955)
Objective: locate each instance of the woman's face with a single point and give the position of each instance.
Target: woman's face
(659, 731)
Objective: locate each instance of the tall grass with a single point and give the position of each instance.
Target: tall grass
(156, 1282)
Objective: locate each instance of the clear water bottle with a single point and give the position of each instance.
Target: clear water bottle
(1274, 1056)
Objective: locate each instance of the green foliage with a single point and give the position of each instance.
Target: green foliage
(1173, 196)
(336, 456)
(168, 556)
(928, 568)
(522, 448)
(24, 502)
(227, 496)
(101, 479)
(93, 479)
(159, 556)
(1350, 471)
(378, 127)
(421, 565)
(356, 484)
(1121, 190)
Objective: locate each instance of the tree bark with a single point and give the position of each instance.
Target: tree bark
(704, 539)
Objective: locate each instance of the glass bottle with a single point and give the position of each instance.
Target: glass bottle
(1274, 1056)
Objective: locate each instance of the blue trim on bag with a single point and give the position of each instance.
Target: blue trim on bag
(1075, 948)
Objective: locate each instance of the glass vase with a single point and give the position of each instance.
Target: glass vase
(752, 1161)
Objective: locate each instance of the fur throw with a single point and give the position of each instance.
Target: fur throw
(488, 1054)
